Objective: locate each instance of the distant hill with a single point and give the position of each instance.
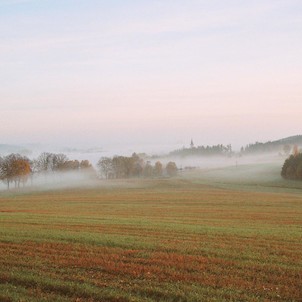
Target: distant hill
(217, 150)
(281, 145)
(6, 149)
(294, 140)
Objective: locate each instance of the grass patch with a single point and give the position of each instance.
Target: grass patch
(193, 238)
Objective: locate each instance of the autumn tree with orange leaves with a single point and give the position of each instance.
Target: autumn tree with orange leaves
(171, 168)
(14, 168)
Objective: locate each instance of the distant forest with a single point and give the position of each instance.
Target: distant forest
(282, 146)
(216, 150)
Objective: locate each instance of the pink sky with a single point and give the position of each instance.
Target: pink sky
(153, 72)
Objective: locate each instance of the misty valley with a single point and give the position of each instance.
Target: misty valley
(195, 224)
(150, 151)
(57, 170)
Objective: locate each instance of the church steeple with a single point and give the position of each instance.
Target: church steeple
(192, 144)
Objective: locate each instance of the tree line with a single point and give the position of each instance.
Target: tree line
(17, 169)
(216, 150)
(284, 146)
(133, 166)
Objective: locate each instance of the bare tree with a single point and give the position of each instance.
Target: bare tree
(58, 161)
(49, 162)
(105, 166)
(44, 163)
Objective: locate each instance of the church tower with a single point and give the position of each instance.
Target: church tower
(192, 144)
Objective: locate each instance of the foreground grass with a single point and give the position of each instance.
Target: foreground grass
(168, 240)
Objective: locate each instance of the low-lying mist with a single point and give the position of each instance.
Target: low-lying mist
(240, 171)
(56, 180)
(235, 168)
(243, 173)
(212, 162)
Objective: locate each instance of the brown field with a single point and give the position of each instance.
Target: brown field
(155, 240)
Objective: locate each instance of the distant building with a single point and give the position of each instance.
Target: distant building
(192, 144)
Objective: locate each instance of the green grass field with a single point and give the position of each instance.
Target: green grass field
(198, 237)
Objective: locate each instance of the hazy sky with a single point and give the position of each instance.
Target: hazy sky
(102, 72)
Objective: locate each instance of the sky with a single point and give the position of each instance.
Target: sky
(150, 72)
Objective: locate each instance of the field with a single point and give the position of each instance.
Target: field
(202, 236)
